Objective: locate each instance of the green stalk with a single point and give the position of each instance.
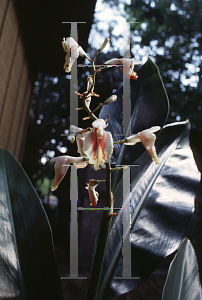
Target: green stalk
(89, 111)
(102, 240)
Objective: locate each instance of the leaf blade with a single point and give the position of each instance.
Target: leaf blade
(32, 240)
(183, 281)
(147, 237)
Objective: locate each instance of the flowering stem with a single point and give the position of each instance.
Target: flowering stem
(98, 70)
(89, 111)
(99, 105)
(95, 55)
(102, 240)
(120, 141)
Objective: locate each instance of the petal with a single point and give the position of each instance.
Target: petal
(65, 45)
(74, 52)
(152, 129)
(68, 44)
(80, 142)
(71, 42)
(61, 166)
(132, 140)
(148, 140)
(93, 196)
(128, 65)
(75, 129)
(82, 53)
(81, 165)
(98, 149)
(135, 62)
(114, 61)
(99, 123)
(68, 65)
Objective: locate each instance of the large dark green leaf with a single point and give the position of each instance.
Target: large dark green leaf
(149, 107)
(162, 202)
(28, 268)
(183, 281)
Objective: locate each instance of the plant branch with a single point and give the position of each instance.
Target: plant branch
(119, 142)
(90, 113)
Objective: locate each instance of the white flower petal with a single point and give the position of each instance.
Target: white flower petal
(75, 129)
(114, 61)
(132, 140)
(99, 123)
(80, 138)
(152, 129)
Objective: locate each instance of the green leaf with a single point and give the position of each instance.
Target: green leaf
(183, 281)
(28, 266)
(161, 203)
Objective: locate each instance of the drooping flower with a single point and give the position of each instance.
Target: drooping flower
(93, 194)
(61, 166)
(98, 144)
(147, 137)
(73, 51)
(126, 66)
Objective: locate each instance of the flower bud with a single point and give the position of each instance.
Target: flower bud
(72, 139)
(111, 99)
(104, 44)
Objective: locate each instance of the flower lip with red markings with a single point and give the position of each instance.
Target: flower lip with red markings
(98, 145)
(147, 137)
(61, 166)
